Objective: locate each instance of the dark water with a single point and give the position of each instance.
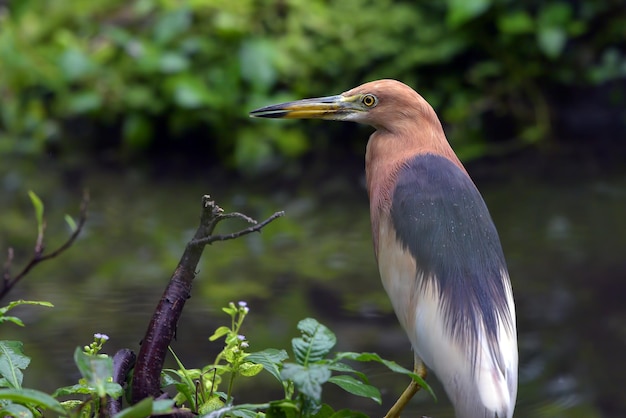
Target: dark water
(564, 237)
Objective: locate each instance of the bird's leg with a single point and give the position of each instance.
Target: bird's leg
(420, 370)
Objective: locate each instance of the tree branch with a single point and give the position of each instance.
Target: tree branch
(38, 255)
(123, 362)
(162, 327)
(256, 228)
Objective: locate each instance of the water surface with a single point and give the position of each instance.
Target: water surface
(564, 238)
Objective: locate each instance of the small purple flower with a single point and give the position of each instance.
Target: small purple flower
(99, 336)
(242, 304)
(241, 337)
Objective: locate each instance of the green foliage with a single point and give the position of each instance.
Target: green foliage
(154, 69)
(17, 399)
(12, 362)
(302, 381)
(13, 304)
(96, 382)
(313, 368)
(14, 399)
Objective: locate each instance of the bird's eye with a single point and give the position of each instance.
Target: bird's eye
(369, 100)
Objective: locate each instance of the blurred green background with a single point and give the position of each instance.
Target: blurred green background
(146, 104)
(122, 78)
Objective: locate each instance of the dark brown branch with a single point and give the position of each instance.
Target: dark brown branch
(123, 362)
(162, 327)
(8, 282)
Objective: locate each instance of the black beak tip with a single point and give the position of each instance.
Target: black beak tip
(266, 113)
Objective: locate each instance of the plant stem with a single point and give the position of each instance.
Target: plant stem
(230, 387)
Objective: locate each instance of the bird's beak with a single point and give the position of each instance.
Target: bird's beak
(330, 107)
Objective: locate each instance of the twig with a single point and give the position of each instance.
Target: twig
(162, 327)
(224, 237)
(38, 255)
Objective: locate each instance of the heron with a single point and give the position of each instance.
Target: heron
(438, 251)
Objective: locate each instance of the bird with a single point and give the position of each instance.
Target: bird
(437, 249)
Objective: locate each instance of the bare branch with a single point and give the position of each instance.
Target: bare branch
(162, 328)
(223, 237)
(38, 256)
(239, 216)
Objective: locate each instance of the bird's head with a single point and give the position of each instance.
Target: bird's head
(383, 104)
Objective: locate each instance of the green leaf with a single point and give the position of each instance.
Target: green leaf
(256, 56)
(74, 404)
(515, 23)
(220, 332)
(12, 362)
(348, 413)
(325, 411)
(250, 369)
(15, 410)
(98, 371)
(75, 64)
(20, 302)
(172, 24)
(315, 343)
(555, 13)
(31, 397)
(188, 92)
(172, 62)
(13, 319)
(551, 40)
(84, 102)
(77, 389)
(307, 380)
(166, 379)
(212, 404)
(141, 409)
(243, 413)
(271, 359)
(391, 365)
(285, 408)
(71, 223)
(342, 367)
(38, 205)
(461, 11)
(357, 387)
(162, 406)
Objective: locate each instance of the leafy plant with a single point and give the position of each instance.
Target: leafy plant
(313, 368)
(199, 388)
(96, 386)
(302, 380)
(16, 400)
(17, 321)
